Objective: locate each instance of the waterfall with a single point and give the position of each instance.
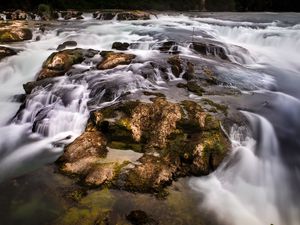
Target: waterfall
(251, 186)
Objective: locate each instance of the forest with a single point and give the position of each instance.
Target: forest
(179, 5)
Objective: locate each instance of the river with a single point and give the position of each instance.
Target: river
(257, 184)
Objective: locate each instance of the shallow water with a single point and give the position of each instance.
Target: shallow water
(262, 173)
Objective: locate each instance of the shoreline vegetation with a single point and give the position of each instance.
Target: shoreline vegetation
(160, 5)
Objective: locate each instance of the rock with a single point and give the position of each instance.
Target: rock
(155, 122)
(150, 175)
(58, 63)
(71, 14)
(66, 44)
(120, 46)
(169, 47)
(112, 59)
(192, 86)
(138, 217)
(171, 140)
(101, 174)
(175, 65)
(210, 49)
(15, 32)
(133, 15)
(84, 151)
(189, 73)
(123, 15)
(5, 52)
(105, 15)
(16, 15)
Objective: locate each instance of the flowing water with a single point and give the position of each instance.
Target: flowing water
(257, 183)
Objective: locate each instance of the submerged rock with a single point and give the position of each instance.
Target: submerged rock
(172, 140)
(58, 63)
(139, 217)
(5, 52)
(113, 59)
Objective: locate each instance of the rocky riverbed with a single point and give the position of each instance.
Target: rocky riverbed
(126, 106)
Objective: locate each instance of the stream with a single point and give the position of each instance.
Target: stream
(260, 180)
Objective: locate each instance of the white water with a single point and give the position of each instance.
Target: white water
(251, 187)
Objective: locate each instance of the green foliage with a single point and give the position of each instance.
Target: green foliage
(43, 8)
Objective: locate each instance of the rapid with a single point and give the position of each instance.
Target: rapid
(258, 183)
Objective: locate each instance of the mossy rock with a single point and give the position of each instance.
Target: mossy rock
(219, 107)
(58, 63)
(15, 35)
(92, 209)
(192, 86)
(177, 139)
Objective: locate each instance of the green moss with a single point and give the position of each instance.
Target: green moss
(6, 36)
(126, 146)
(147, 93)
(192, 86)
(211, 123)
(219, 107)
(76, 195)
(92, 209)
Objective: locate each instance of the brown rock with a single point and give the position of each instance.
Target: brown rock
(133, 15)
(89, 144)
(15, 32)
(5, 52)
(155, 121)
(210, 49)
(120, 46)
(101, 174)
(111, 60)
(151, 174)
(58, 63)
(176, 66)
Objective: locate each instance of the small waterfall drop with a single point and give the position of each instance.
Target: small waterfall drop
(251, 186)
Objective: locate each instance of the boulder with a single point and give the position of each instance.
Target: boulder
(66, 44)
(123, 15)
(120, 46)
(15, 32)
(71, 14)
(58, 63)
(113, 59)
(176, 66)
(105, 15)
(210, 49)
(171, 140)
(83, 152)
(133, 15)
(169, 47)
(5, 52)
(16, 15)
